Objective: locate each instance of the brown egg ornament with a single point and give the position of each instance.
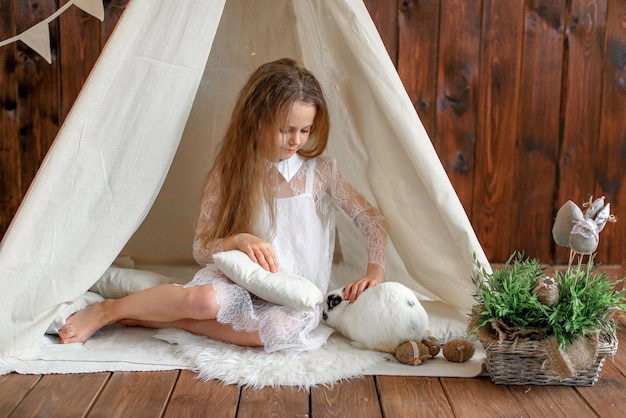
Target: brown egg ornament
(458, 350)
(433, 344)
(412, 352)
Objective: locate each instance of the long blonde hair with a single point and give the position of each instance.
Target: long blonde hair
(245, 153)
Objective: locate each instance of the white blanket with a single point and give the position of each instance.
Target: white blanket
(118, 348)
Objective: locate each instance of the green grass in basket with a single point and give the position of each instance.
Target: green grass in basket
(506, 295)
(585, 300)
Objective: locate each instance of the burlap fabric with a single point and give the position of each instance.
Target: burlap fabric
(563, 361)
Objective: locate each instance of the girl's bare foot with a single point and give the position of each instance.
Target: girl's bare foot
(83, 324)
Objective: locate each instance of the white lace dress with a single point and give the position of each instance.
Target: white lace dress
(303, 243)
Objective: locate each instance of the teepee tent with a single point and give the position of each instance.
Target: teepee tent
(124, 174)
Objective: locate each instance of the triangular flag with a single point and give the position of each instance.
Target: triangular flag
(93, 7)
(38, 38)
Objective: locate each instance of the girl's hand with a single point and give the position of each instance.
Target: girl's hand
(374, 275)
(258, 250)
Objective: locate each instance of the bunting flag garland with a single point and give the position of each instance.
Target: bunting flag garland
(38, 36)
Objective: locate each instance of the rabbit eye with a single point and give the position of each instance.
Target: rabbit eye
(334, 300)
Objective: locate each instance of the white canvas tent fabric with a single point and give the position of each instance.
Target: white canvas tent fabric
(125, 172)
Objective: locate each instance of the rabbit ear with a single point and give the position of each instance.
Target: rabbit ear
(567, 216)
(593, 207)
(603, 216)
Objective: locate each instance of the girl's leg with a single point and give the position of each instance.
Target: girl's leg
(208, 328)
(164, 303)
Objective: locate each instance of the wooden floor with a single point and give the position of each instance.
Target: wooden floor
(178, 394)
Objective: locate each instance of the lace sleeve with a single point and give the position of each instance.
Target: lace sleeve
(202, 251)
(365, 216)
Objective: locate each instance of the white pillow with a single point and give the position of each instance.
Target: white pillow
(118, 282)
(281, 288)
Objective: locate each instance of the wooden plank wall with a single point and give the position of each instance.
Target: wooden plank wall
(524, 100)
(36, 96)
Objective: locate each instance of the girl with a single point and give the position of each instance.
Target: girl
(271, 195)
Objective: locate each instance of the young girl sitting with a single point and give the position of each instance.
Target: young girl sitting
(273, 196)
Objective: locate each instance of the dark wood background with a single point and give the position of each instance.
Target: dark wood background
(524, 100)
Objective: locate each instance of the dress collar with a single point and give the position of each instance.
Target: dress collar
(288, 168)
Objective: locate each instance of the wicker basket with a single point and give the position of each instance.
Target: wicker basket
(526, 363)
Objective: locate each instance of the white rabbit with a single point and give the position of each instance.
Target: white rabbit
(381, 318)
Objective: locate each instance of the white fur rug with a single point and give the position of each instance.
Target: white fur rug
(253, 367)
(117, 348)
